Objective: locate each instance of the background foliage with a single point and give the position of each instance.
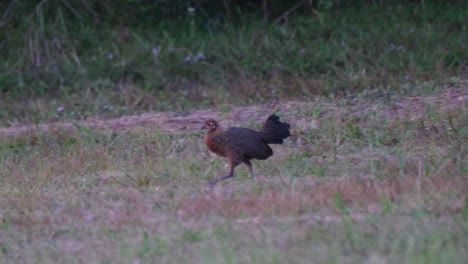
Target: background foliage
(125, 56)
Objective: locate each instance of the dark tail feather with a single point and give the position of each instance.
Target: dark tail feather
(274, 131)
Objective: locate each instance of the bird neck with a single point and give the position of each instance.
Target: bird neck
(219, 129)
(213, 136)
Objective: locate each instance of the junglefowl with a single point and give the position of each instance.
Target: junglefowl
(240, 145)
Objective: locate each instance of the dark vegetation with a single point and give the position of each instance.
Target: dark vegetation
(79, 58)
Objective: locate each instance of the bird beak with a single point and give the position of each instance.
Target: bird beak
(204, 127)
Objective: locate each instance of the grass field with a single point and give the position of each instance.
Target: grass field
(102, 158)
(360, 181)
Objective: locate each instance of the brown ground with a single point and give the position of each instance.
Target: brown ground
(448, 99)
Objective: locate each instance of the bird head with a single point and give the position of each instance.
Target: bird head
(210, 125)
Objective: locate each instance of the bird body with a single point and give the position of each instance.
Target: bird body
(240, 145)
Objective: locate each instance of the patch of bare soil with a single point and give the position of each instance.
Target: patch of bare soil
(412, 108)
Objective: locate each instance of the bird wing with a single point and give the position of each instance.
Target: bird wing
(247, 143)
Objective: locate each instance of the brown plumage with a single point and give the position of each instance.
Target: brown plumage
(240, 145)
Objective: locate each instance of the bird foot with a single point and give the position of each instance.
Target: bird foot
(214, 181)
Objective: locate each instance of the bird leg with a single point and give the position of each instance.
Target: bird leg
(231, 174)
(216, 180)
(249, 164)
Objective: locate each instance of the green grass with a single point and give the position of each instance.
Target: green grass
(58, 58)
(369, 175)
(364, 184)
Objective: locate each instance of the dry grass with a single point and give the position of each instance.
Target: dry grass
(358, 181)
(310, 194)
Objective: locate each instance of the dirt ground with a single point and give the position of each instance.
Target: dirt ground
(295, 112)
